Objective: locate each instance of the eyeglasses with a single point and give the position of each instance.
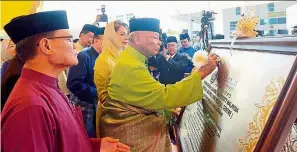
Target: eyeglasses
(69, 38)
(90, 36)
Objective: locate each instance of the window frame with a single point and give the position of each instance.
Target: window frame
(270, 7)
(238, 11)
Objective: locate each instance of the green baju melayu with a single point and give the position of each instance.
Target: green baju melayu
(131, 112)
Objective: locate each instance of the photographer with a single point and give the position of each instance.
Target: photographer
(171, 65)
(187, 50)
(103, 18)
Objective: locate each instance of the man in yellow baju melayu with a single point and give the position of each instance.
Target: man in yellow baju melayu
(85, 37)
(131, 112)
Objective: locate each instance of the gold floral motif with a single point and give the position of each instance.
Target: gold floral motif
(246, 25)
(264, 108)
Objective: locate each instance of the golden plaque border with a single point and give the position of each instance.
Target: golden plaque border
(249, 142)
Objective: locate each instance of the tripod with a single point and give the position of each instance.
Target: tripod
(204, 35)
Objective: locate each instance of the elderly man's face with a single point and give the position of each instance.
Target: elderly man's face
(172, 48)
(62, 50)
(150, 43)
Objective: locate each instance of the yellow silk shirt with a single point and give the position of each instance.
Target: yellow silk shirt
(62, 80)
(102, 71)
(104, 64)
(132, 83)
(78, 47)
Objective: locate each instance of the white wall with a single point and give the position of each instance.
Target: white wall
(229, 15)
(261, 12)
(291, 17)
(75, 33)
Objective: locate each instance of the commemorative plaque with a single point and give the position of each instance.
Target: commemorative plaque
(248, 102)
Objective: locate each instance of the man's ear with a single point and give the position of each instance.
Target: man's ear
(136, 37)
(45, 47)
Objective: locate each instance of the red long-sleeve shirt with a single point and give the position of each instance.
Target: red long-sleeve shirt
(38, 117)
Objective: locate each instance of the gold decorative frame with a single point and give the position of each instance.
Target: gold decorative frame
(256, 127)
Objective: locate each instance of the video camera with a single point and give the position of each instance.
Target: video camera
(207, 17)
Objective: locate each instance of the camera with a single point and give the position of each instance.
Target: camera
(163, 46)
(207, 17)
(163, 39)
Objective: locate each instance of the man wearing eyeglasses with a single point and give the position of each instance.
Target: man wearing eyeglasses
(37, 115)
(81, 82)
(85, 37)
(12, 72)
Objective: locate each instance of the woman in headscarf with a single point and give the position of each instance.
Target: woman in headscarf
(10, 70)
(115, 40)
(7, 53)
